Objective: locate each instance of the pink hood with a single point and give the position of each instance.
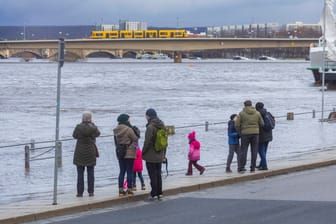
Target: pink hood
(192, 135)
(194, 147)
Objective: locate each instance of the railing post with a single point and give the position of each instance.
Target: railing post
(59, 153)
(32, 144)
(206, 126)
(290, 116)
(314, 113)
(170, 129)
(27, 157)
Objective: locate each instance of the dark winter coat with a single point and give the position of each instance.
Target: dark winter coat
(85, 152)
(148, 152)
(264, 136)
(232, 133)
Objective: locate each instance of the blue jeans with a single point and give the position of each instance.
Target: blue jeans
(140, 177)
(262, 153)
(125, 166)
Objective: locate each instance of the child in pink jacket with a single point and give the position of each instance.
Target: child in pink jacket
(194, 154)
(137, 169)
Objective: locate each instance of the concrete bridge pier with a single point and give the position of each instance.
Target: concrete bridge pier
(177, 57)
(7, 55)
(45, 53)
(4, 53)
(120, 53)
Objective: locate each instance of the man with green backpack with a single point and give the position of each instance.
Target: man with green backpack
(154, 151)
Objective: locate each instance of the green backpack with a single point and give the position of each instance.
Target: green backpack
(161, 140)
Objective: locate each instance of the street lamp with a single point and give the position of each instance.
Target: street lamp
(23, 35)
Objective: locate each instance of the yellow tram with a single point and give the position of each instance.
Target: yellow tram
(137, 34)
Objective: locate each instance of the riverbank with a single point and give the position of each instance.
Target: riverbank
(41, 208)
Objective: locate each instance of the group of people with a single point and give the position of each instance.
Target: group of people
(131, 163)
(130, 156)
(247, 129)
(244, 130)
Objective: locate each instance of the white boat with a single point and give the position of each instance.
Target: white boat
(238, 57)
(144, 56)
(325, 56)
(266, 58)
(160, 56)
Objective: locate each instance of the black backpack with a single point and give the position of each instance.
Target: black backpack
(269, 122)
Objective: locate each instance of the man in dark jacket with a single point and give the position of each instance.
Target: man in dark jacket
(248, 124)
(265, 136)
(85, 152)
(152, 157)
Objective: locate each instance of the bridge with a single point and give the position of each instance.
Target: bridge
(83, 48)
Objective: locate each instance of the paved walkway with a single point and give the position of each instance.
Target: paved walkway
(41, 208)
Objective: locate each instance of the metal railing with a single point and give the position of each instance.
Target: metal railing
(31, 146)
(45, 150)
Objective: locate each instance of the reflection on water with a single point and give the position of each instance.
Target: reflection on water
(183, 94)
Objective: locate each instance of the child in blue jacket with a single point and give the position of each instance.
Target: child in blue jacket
(233, 142)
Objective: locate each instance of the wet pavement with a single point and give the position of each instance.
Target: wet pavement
(42, 208)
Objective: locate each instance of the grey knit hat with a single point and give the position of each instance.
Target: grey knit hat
(87, 116)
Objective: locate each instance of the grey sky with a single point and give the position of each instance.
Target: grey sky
(158, 12)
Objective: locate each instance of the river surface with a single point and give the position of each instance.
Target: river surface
(184, 95)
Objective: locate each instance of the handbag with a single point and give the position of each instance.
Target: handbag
(120, 149)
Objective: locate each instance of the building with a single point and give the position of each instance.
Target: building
(108, 27)
(266, 30)
(132, 25)
(299, 29)
(263, 30)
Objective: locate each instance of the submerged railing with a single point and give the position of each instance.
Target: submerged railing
(50, 147)
(38, 151)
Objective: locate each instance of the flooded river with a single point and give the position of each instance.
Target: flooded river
(184, 95)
